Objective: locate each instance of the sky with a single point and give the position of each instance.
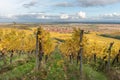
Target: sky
(59, 10)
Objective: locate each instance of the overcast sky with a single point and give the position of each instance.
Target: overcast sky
(59, 10)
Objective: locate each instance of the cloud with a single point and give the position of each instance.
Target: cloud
(45, 16)
(110, 16)
(64, 16)
(64, 4)
(87, 3)
(42, 17)
(82, 14)
(30, 4)
(8, 16)
(77, 16)
(30, 16)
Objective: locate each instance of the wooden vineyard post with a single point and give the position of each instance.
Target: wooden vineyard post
(116, 58)
(11, 56)
(81, 50)
(3, 56)
(37, 52)
(109, 52)
(94, 58)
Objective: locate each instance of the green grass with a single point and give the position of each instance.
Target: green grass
(92, 74)
(57, 72)
(111, 36)
(15, 57)
(18, 68)
(57, 68)
(18, 72)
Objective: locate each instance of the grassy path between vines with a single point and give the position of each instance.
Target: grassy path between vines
(18, 68)
(64, 70)
(56, 68)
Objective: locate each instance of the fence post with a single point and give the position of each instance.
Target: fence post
(109, 52)
(81, 50)
(37, 51)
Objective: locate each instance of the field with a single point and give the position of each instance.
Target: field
(59, 52)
